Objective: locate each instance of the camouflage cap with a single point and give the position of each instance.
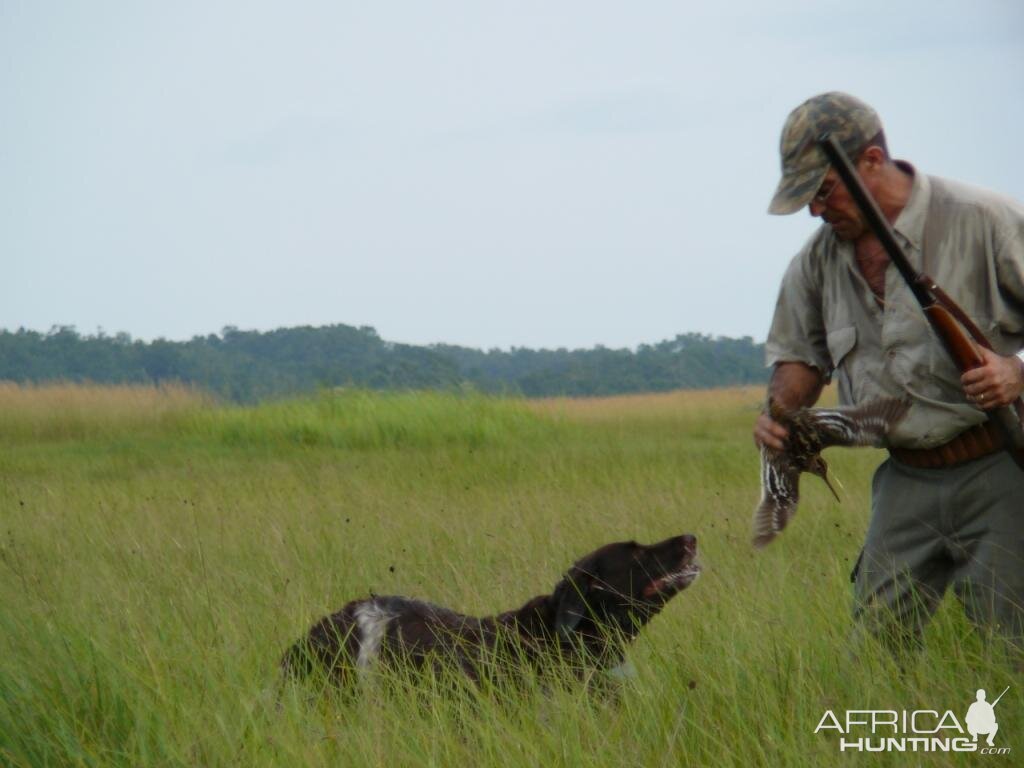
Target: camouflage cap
(804, 165)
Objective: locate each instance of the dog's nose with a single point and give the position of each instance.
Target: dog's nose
(689, 543)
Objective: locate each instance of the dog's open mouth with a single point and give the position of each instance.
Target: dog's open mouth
(672, 582)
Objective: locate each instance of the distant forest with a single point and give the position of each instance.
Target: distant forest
(248, 366)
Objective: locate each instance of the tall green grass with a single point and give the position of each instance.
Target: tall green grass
(156, 560)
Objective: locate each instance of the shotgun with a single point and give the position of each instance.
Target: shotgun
(958, 333)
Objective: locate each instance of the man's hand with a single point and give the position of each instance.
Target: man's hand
(997, 382)
(793, 385)
(770, 433)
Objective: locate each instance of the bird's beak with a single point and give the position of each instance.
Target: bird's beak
(825, 478)
(820, 468)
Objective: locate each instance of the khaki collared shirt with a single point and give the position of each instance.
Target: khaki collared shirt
(827, 316)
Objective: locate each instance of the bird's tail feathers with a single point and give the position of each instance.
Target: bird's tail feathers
(770, 518)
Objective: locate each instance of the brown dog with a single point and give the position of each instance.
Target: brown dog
(593, 612)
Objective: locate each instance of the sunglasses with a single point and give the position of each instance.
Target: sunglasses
(824, 193)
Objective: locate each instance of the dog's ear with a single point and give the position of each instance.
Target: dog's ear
(571, 601)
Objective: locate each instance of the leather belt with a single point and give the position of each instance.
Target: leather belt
(981, 440)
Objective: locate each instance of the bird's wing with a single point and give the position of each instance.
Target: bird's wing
(780, 490)
(861, 425)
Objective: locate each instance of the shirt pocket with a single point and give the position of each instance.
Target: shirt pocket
(840, 342)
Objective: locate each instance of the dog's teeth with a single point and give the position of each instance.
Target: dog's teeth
(670, 579)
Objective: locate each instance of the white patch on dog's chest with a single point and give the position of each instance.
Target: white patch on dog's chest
(373, 623)
(624, 671)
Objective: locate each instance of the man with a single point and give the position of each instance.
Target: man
(948, 504)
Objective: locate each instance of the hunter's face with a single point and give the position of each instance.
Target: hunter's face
(836, 207)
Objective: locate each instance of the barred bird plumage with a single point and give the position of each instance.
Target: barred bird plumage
(811, 430)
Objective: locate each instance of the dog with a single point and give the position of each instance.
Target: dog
(592, 614)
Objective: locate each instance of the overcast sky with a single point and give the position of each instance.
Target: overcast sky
(538, 174)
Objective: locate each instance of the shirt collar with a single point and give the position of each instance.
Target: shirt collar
(910, 222)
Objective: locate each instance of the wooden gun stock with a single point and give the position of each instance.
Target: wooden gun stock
(964, 351)
(960, 346)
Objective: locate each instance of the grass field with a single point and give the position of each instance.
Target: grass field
(158, 552)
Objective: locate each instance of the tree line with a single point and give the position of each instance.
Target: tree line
(248, 366)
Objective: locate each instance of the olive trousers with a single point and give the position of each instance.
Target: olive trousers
(930, 529)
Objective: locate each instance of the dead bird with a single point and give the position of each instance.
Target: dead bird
(811, 430)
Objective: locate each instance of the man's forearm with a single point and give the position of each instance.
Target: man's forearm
(795, 385)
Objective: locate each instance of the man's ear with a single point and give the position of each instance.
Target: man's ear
(872, 158)
(571, 601)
